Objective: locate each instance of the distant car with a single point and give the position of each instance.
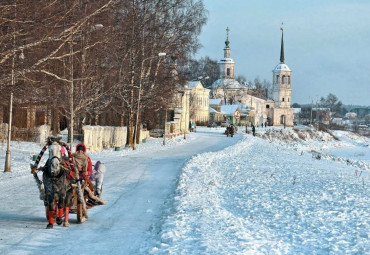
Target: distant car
(212, 124)
(225, 123)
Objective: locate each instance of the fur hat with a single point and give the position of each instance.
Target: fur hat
(81, 146)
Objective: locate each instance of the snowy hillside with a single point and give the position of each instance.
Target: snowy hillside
(260, 197)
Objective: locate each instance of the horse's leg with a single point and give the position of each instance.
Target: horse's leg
(51, 214)
(61, 200)
(68, 203)
(59, 219)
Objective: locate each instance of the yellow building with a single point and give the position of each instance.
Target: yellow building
(199, 102)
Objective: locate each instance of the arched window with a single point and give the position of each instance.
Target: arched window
(284, 79)
(267, 106)
(282, 99)
(228, 71)
(277, 79)
(288, 99)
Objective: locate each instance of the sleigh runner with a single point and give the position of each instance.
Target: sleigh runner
(62, 191)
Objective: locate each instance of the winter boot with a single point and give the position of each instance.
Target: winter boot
(98, 192)
(66, 217)
(59, 219)
(51, 219)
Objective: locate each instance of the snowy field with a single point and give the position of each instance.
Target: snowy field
(281, 192)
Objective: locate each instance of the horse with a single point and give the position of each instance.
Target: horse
(55, 184)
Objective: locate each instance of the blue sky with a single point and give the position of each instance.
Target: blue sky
(327, 43)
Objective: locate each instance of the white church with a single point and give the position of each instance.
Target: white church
(274, 112)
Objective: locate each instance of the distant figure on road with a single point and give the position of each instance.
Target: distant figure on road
(192, 126)
(254, 130)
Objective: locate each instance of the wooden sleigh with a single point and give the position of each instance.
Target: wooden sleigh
(89, 198)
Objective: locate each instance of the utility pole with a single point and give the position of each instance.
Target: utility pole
(317, 112)
(311, 110)
(7, 167)
(164, 134)
(71, 98)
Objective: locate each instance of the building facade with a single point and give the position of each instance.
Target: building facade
(199, 102)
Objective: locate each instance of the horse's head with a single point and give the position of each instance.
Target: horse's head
(54, 159)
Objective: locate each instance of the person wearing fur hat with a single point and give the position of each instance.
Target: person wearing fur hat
(83, 169)
(82, 162)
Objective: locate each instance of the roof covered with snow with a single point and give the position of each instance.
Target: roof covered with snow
(226, 60)
(282, 67)
(194, 84)
(296, 110)
(211, 110)
(215, 101)
(229, 109)
(227, 84)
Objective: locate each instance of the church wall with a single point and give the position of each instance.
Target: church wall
(223, 70)
(278, 112)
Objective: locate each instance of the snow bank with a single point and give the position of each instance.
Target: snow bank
(262, 197)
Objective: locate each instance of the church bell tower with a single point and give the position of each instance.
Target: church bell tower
(281, 80)
(227, 64)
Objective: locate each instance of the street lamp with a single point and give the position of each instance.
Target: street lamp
(160, 54)
(185, 109)
(164, 134)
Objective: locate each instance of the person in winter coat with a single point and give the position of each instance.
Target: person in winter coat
(97, 177)
(254, 130)
(82, 170)
(82, 162)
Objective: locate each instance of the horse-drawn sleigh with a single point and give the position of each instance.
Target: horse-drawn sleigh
(62, 188)
(230, 130)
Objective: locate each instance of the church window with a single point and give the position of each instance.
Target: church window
(288, 99)
(267, 106)
(284, 79)
(288, 79)
(283, 99)
(282, 119)
(228, 71)
(277, 78)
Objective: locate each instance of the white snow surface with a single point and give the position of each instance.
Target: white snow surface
(284, 191)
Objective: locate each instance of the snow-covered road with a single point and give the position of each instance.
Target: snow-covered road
(285, 191)
(137, 186)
